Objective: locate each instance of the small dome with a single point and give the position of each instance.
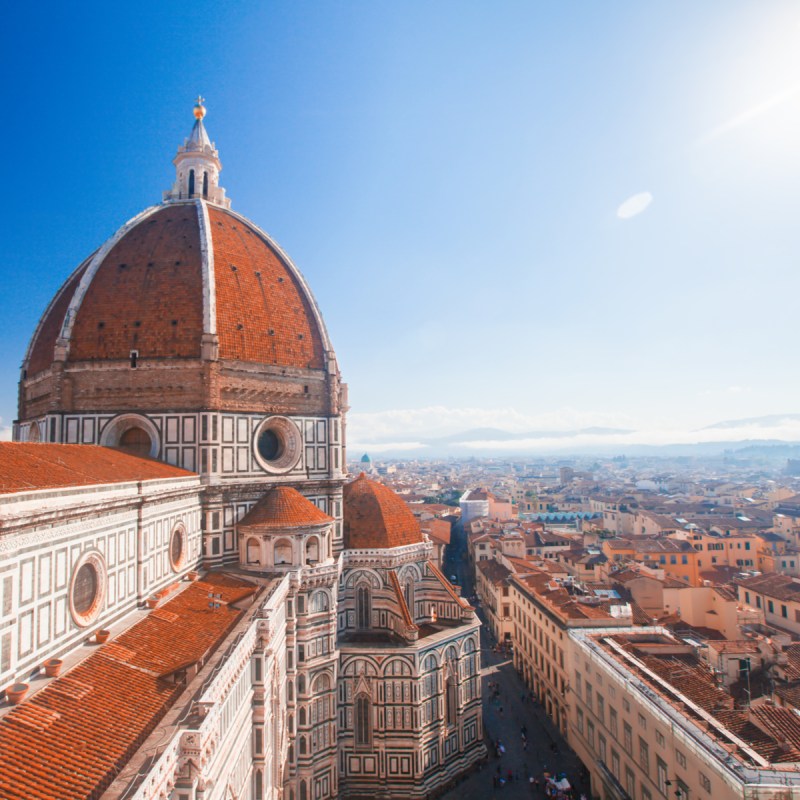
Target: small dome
(365, 459)
(284, 507)
(375, 517)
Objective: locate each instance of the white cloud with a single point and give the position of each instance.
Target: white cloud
(404, 429)
(411, 424)
(634, 205)
(5, 432)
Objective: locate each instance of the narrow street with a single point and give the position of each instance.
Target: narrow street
(504, 716)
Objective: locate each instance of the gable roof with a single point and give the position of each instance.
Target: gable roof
(28, 466)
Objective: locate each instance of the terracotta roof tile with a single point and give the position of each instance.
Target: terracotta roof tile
(376, 517)
(147, 294)
(43, 346)
(446, 585)
(73, 737)
(401, 599)
(781, 587)
(26, 466)
(284, 507)
(438, 530)
(263, 313)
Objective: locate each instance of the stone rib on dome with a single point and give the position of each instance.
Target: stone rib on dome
(284, 507)
(150, 289)
(146, 294)
(43, 343)
(375, 517)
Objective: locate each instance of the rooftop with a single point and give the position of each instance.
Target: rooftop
(106, 705)
(26, 466)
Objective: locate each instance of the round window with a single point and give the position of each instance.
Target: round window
(269, 445)
(87, 591)
(278, 445)
(177, 547)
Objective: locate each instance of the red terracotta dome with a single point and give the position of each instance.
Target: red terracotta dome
(176, 276)
(284, 507)
(376, 517)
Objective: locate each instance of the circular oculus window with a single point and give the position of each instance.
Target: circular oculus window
(87, 590)
(278, 445)
(177, 547)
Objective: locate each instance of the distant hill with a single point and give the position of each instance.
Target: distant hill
(769, 421)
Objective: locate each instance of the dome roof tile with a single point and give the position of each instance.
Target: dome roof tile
(149, 289)
(263, 314)
(40, 356)
(147, 293)
(375, 517)
(284, 507)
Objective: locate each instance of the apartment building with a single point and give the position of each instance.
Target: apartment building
(543, 610)
(778, 596)
(650, 722)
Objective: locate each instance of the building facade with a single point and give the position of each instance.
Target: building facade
(275, 632)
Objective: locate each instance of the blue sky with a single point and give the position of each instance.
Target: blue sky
(448, 177)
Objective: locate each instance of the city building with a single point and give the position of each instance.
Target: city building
(650, 720)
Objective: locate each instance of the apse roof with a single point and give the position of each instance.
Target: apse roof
(376, 517)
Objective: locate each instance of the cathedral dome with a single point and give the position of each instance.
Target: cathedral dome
(173, 275)
(375, 517)
(183, 285)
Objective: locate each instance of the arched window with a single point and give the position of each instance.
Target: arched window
(451, 701)
(319, 602)
(33, 433)
(289, 691)
(135, 441)
(409, 593)
(253, 551)
(301, 684)
(363, 608)
(301, 716)
(205, 184)
(302, 751)
(283, 551)
(430, 689)
(363, 722)
(303, 791)
(322, 704)
(312, 550)
(191, 183)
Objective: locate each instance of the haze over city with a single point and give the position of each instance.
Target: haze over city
(520, 217)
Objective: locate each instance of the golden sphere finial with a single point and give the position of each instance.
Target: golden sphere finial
(199, 108)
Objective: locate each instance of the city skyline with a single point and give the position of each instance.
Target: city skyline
(522, 218)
